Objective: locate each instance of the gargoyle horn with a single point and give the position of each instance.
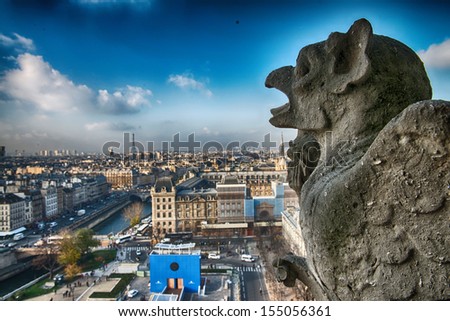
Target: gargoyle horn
(349, 51)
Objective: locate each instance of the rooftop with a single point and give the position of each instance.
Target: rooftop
(177, 249)
(9, 198)
(164, 182)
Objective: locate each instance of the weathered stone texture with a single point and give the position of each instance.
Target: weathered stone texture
(375, 209)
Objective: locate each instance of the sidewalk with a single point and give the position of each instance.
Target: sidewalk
(81, 289)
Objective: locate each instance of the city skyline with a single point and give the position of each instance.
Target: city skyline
(77, 74)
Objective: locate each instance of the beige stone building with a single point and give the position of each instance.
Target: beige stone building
(195, 207)
(260, 189)
(163, 208)
(12, 212)
(121, 178)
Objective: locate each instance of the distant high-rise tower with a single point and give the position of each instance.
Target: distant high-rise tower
(282, 146)
(2, 151)
(133, 148)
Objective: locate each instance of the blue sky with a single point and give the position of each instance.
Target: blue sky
(75, 74)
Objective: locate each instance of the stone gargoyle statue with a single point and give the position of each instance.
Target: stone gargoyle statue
(375, 207)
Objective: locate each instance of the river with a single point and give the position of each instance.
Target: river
(114, 224)
(117, 222)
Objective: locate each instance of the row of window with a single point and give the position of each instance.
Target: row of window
(231, 213)
(198, 215)
(187, 199)
(169, 206)
(158, 199)
(187, 207)
(164, 224)
(228, 206)
(163, 215)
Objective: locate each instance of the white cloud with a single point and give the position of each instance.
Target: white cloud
(18, 42)
(128, 100)
(96, 126)
(209, 132)
(437, 55)
(120, 126)
(36, 83)
(187, 81)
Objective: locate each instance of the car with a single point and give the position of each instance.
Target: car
(71, 219)
(12, 244)
(18, 236)
(247, 258)
(40, 242)
(52, 224)
(213, 256)
(59, 278)
(132, 293)
(138, 252)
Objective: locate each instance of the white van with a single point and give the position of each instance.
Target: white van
(247, 258)
(18, 236)
(52, 224)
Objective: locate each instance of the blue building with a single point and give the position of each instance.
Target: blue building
(266, 208)
(175, 269)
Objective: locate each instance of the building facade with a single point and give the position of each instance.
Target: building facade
(51, 201)
(163, 207)
(37, 204)
(121, 178)
(12, 212)
(292, 232)
(231, 196)
(195, 207)
(175, 273)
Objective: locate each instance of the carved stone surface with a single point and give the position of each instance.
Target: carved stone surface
(374, 210)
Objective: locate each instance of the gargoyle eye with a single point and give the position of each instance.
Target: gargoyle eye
(302, 70)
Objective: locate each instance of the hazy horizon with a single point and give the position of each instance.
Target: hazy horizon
(77, 74)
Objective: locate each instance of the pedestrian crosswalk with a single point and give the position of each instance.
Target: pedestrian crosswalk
(248, 269)
(135, 248)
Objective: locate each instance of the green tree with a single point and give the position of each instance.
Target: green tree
(69, 251)
(72, 270)
(133, 213)
(84, 240)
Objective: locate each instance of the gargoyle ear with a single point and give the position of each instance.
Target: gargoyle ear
(351, 64)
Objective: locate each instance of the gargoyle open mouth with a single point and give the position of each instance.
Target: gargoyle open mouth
(281, 79)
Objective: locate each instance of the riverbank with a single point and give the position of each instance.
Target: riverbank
(117, 223)
(101, 215)
(19, 277)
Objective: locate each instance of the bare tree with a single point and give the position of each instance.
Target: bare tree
(133, 213)
(47, 259)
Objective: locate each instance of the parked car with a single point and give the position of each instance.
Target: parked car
(12, 244)
(213, 256)
(132, 293)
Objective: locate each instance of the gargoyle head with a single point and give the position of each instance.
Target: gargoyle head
(356, 82)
